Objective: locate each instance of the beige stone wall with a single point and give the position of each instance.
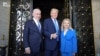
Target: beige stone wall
(96, 23)
(4, 18)
(4, 22)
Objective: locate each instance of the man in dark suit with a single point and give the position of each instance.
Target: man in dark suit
(51, 33)
(32, 34)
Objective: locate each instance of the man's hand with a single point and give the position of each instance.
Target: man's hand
(27, 50)
(53, 36)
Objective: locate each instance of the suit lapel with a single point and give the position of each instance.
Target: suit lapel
(51, 22)
(54, 25)
(35, 26)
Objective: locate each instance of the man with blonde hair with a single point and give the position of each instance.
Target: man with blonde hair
(51, 33)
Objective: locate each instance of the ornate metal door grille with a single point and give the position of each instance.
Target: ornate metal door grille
(20, 12)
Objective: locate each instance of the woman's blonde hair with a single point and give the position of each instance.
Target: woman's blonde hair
(66, 19)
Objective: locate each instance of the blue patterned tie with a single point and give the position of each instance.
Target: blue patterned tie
(39, 27)
(57, 28)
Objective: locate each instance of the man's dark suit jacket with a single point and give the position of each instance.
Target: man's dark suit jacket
(49, 28)
(32, 36)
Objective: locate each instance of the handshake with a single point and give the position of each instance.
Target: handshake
(53, 36)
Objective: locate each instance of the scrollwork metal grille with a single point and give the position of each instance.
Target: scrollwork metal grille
(21, 13)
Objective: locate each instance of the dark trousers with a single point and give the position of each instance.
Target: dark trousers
(33, 54)
(52, 52)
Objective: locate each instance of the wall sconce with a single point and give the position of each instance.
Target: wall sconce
(5, 4)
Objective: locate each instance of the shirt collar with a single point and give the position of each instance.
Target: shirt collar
(36, 21)
(53, 19)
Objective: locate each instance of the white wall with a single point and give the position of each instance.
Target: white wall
(96, 23)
